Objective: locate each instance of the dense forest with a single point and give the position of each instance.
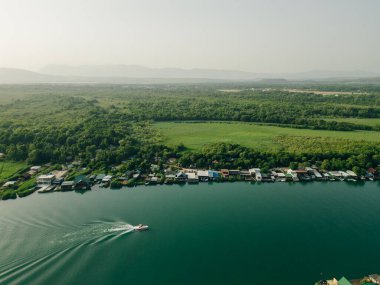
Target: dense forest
(276, 107)
(97, 137)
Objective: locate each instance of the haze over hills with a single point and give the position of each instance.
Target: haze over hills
(135, 71)
(133, 74)
(22, 76)
(14, 76)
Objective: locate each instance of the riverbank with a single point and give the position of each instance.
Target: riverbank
(65, 180)
(185, 185)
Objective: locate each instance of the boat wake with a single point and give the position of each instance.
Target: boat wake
(60, 248)
(96, 232)
(125, 228)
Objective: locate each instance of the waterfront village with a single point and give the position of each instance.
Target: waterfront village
(48, 178)
(373, 279)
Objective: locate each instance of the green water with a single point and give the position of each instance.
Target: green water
(232, 233)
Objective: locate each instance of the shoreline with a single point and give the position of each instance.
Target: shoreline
(48, 179)
(98, 188)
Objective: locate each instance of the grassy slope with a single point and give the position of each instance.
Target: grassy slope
(7, 168)
(195, 135)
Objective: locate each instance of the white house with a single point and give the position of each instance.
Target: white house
(351, 174)
(44, 180)
(203, 175)
(107, 179)
(35, 168)
(339, 174)
(293, 174)
(192, 177)
(257, 173)
(317, 174)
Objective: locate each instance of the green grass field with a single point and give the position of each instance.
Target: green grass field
(195, 135)
(7, 168)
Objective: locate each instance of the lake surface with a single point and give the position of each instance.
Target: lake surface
(230, 233)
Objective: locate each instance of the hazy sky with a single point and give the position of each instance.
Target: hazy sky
(251, 35)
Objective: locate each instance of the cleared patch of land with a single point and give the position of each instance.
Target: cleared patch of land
(194, 135)
(7, 168)
(359, 121)
(319, 92)
(230, 90)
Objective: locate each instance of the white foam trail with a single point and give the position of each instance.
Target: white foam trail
(61, 250)
(122, 233)
(122, 228)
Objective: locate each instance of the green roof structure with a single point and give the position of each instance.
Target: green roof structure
(344, 281)
(81, 178)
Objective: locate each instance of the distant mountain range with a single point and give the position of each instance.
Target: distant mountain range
(12, 75)
(125, 74)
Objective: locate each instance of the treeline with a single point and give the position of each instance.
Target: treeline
(251, 105)
(253, 102)
(303, 116)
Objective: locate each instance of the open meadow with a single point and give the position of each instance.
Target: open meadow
(194, 135)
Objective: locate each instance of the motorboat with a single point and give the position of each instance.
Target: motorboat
(141, 227)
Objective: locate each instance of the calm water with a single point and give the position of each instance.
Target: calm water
(203, 234)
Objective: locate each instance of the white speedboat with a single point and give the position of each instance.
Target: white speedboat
(141, 227)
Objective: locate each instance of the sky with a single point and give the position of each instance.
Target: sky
(251, 35)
